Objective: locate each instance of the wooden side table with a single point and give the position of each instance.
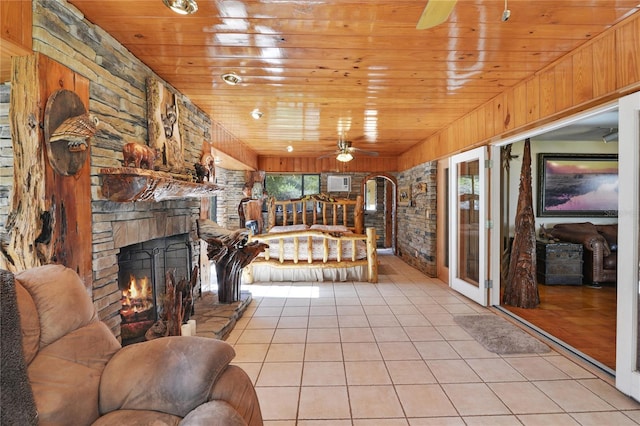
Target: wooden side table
(559, 263)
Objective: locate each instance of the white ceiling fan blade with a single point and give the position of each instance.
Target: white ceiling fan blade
(435, 13)
(364, 152)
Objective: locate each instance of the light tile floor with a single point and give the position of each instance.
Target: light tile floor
(391, 354)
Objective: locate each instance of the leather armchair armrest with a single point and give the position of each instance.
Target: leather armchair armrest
(170, 374)
(591, 241)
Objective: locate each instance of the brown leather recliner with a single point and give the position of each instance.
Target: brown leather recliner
(600, 248)
(80, 375)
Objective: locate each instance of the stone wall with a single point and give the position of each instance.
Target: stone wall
(6, 155)
(118, 99)
(417, 222)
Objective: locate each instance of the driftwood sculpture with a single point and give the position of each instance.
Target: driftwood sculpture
(230, 252)
(521, 289)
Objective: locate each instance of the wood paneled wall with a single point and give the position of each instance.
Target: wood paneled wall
(232, 152)
(360, 163)
(15, 33)
(603, 69)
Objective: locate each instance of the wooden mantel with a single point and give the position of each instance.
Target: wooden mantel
(126, 184)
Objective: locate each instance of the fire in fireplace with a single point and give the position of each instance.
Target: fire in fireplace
(141, 278)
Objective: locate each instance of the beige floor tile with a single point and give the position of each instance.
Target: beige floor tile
(610, 394)
(453, 332)
(289, 335)
(250, 352)
(377, 310)
(436, 350)
(356, 335)
(324, 402)
(452, 371)
(495, 370)
(425, 401)
(548, 420)
(251, 368)
(297, 301)
(325, 373)
(410, 372)
(350, 310)
(405, 309)
(262, 322)
(603, 418)
(438, 318)
(256, 336)
(353, 321)
(536, 368)
(268, 311)
(323, 322)
(459, 308)
(285, 352)
(398, 351)
(380, 422)
(361, 352)
(572, 396)
(367, 373)
(491, 421)
(437, 421)
(524, 398)
(293, 322)
(383, 320)
(412, 320)
(633, 415)
(345, 301)
(278, 403)
(324, 423)
(320, 335)
(323, 352)
(367, 402)
(323, 310)
(397, 300)
(390, 334)
(280, 374)
(569, 367)
(295, 311)
(423, 334)
(474, 399)
(272, 301)
(469, 349)
(279, 423)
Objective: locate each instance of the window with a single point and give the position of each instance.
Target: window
(290, 186)
(371, 195)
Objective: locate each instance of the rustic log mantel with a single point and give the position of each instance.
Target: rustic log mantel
(126, 184)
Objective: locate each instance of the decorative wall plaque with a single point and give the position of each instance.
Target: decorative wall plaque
(163, 119)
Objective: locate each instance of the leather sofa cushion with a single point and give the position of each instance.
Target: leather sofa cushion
(214, 413)
(65, 375)
(29, 323)
(611, 261)
(138, 418)
(57, 292)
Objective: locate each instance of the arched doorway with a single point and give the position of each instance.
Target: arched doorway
(380, 191)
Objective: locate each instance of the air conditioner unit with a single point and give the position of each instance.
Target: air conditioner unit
(337, 183)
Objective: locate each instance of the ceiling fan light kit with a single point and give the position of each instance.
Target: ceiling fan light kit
(182, 7)
(344, 157)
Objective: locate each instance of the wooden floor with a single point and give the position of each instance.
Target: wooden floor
(581, 316)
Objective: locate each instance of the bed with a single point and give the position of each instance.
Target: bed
(316, 238)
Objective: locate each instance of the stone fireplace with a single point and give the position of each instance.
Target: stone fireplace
(142, 269)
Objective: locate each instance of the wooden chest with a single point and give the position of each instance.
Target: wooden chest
(559, 263)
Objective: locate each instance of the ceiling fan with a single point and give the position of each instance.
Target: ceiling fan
(345, 151)
(435, 13)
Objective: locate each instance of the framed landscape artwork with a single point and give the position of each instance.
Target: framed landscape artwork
(578, 185)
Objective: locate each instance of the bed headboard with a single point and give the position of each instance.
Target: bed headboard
(317, 210)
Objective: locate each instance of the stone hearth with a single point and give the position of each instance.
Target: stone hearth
(216, 320)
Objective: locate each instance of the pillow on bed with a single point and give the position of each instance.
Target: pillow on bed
(288, 228)
(330, 228)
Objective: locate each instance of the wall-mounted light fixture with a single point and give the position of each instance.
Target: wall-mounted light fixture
(256, 114)
(612, 136)
(231, 78)
(183, 7)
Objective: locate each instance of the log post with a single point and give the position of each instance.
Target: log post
(372, 255)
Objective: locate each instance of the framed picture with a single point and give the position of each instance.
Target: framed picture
(404, 195)
(578, 185)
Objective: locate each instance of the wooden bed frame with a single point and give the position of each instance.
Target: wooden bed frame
(329, 212)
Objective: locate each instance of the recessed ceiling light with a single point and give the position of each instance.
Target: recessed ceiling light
(289, 148)
(256, 114)
(231, 78)
(183, 7)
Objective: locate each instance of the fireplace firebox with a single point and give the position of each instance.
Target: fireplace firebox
(141, 279)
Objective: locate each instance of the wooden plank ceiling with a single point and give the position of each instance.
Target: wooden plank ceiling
(317, 69)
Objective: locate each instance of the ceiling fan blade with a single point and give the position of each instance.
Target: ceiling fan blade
(362, 151)
(435, 13)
